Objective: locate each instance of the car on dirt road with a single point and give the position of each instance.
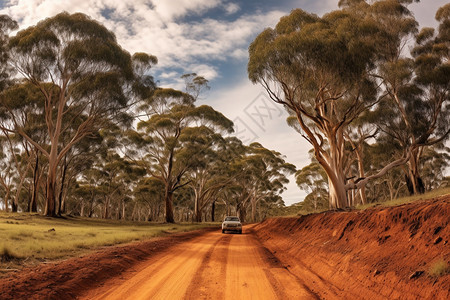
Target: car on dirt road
(232, 223)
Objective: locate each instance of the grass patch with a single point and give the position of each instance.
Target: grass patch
(6, 255)
(439, 268)
(32, 237)
(406, 200)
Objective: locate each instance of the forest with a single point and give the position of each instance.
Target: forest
(369, 91)
(86, 131)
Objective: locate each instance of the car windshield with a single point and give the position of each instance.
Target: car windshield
(232, 219)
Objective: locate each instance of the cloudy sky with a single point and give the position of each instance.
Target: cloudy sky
(210, 38)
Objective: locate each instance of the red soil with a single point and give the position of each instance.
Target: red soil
(70, 278)
(379, 253)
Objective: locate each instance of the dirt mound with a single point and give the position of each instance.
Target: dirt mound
(378, 253)
(68, 279)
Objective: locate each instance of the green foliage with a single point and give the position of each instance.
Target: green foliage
(345, 72)
(6, 25)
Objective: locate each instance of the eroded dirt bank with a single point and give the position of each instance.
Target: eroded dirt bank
(380, 253)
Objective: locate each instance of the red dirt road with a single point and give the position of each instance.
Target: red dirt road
(379, 253)
(212, 266)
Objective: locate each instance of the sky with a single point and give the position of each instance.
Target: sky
(210, 38)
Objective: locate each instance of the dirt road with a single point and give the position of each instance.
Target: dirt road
(379, 253)
(212, 266)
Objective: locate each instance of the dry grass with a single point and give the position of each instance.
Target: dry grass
(33, 238)
(405, 200)
(439, 268)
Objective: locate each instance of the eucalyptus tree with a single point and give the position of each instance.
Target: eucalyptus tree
(172, 121)
(195, 85)
(434, 163)
(318, 69)
(116, 177)
(326, 72)
(260, 178)
(415, 113)
(427, 101)
(21, 104)
(87, 193)
(6, 26)
(6, 174)
(269, 172)
(149, 192)
(212, 172)
(83, 74)
(313, 179)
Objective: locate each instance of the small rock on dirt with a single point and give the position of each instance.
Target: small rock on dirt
(416, 274)
(438, 240)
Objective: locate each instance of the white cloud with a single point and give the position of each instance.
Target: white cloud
(207, 71)
(231, 8)
(154, 27)
(166, 75)
(172, 9)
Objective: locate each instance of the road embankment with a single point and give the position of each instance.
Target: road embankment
(399, 252)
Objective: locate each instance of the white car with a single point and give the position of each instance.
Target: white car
(232, 223)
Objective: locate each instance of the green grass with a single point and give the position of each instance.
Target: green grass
(410, 199)
(31, 237)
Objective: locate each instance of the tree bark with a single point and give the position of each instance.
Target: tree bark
(123, 209)
(169, 204)
(61, 208)
(50, 209)
(213, 210)
(197, 212)
(36, 177)
(414, 176)
(6, 200)
(253, 203)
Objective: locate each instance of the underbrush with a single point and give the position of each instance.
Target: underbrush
(439, 268)
(32, 238)
(298, 210)
(6, 255)
(409, 199)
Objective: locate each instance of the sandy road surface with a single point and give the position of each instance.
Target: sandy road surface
(212, 266)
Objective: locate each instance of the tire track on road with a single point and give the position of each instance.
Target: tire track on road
(206, 283)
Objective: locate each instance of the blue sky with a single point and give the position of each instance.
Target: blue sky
(211, 38)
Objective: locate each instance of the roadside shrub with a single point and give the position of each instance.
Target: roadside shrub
(6, 255)
(439, 268)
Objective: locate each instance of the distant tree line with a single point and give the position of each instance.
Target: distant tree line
(84, 130)
(368, 91)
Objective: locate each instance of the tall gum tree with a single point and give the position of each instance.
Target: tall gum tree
(82, 72)
(171, 121)
(269, 173)
(417, 87)
(209, 173)
(430, 117)
(6, 25)
(317, 68)
(321, 69)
